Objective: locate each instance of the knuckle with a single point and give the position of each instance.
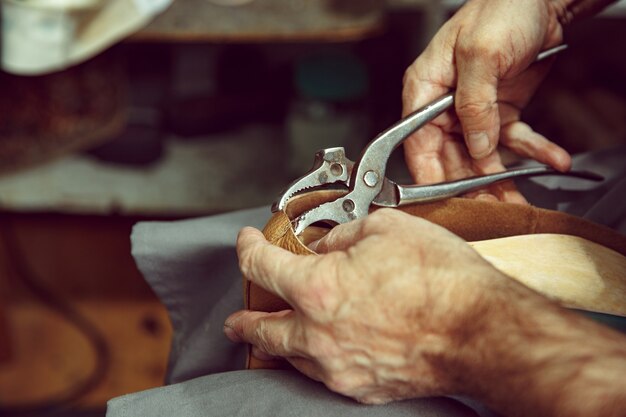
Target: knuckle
(476, 47)
(474, 109)
(246, 263)
(259, 330)
(262, 336)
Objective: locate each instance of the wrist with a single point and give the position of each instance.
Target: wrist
(533, 357)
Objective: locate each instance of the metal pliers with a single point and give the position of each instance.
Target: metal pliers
(365, 181)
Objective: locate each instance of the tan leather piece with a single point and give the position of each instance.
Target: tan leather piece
(472, 220)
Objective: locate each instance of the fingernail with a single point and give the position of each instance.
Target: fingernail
(478, 144)
(231, 334)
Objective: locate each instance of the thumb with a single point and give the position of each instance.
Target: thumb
(476, 102)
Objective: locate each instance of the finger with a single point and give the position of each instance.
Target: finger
(346, 235)
(422, 153)
(504, 191)
(459, 166)
(340, 238)
(272, 268)
(507, 192)
(476, 102)
(483, 195)
(273, 333)
(456, 160)
(523, 140)
(428, 78)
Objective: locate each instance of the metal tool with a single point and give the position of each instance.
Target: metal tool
(366, 182)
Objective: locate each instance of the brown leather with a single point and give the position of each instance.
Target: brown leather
(472, 220)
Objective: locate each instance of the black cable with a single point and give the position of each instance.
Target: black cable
(63, 400)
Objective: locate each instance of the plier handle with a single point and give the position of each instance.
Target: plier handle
(366, 182)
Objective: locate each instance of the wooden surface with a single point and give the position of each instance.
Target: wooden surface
(86, 261)
(266, 21)
(49, 356)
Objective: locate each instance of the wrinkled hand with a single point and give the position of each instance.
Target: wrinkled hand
(384, 314)
(485, 52)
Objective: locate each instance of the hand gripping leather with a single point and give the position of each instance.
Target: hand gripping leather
(472, 220)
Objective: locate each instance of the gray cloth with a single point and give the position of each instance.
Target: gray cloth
(192, 267)
(603, 202)
(267, 393)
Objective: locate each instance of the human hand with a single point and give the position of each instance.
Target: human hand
(486, 51)
(385, 313)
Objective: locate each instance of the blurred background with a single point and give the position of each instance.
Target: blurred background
(117, 111)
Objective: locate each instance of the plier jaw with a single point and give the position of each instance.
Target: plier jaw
(330, 166)
(356, 202)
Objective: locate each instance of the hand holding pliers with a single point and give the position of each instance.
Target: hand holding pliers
(365, 180)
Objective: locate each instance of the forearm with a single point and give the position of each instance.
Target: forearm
(570, 10)
(532, 357)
